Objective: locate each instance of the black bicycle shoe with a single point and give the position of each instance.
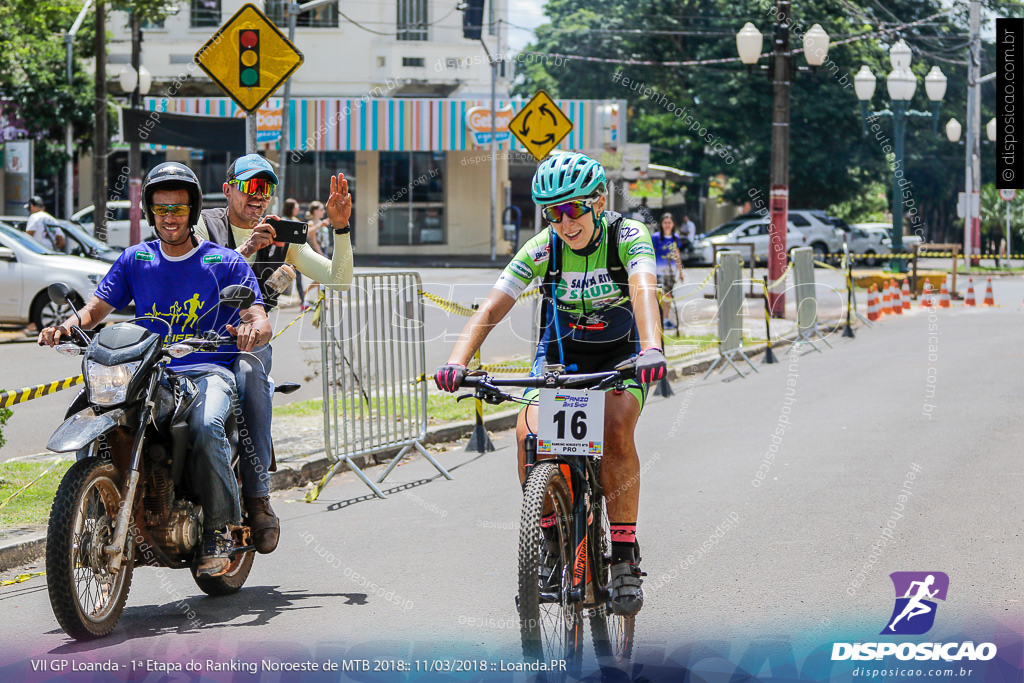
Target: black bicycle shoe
(627, 597)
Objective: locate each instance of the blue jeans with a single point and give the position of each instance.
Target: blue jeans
(209, 465)
(254, 446)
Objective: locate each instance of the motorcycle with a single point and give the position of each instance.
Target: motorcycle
(127, 501)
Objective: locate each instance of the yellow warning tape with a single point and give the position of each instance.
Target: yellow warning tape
(314, 308)
(446, 305)
(700, 286)
(10, 398)
(773, 285)
(21, 578)
(504, 369)
(830, 267)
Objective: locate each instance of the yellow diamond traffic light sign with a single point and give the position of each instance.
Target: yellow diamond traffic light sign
(540, 125)
(248, 57)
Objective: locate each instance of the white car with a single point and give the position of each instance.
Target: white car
(872, 240)
(821, 231)
(745, 231)
(27, 268)
(119, 224)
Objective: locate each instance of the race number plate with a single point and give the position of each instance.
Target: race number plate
(571, 422)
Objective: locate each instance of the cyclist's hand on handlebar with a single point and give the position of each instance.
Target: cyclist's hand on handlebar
(248, 337)
(651, 366)
(449, 377)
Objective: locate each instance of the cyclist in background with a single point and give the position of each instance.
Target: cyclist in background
(600, 309)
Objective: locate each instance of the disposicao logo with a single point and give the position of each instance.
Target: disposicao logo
(914, 614)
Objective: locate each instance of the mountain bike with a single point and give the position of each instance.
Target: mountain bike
(564, 571)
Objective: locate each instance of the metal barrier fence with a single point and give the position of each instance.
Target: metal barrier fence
(729, 292)
(806, 299)
(373, 350)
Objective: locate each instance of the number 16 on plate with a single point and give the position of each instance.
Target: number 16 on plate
(571, 422)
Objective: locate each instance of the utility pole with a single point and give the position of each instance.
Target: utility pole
(99, 159)
(135, 153)
(972, 170)
(779, 183)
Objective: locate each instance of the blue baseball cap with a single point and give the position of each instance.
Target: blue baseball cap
(251, 165)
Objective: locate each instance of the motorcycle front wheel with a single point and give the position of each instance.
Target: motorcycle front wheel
(85, 596)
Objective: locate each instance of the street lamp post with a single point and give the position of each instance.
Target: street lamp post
(901, 84)
(748, 45)
(137, 80)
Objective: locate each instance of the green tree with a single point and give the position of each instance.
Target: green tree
(993, 220)
(33, 72)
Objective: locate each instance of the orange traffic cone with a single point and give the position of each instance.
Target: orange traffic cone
(944, 296)
(970, 300)
(905, 295)
(897, 304)
(989, 298)
(886, 301)
(926, 296)
(873, 304)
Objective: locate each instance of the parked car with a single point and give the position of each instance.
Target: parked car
(119, 224)
(821, 232)
(745, 231)
(78, 241)
(27, 268)
(872, 240)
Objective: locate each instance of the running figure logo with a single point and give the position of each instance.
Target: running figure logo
(914, 612)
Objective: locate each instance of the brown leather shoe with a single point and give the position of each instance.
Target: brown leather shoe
(264, 524)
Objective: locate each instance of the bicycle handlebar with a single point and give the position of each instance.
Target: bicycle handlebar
(487, 387)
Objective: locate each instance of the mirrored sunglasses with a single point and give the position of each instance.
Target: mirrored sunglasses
(255, 187)
(172, 209)
(574, 210)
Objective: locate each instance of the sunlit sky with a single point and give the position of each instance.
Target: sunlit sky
(527, 13)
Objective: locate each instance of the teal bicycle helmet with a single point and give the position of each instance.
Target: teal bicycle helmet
(566, 176)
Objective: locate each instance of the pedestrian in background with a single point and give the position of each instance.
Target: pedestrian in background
(688, 231)
(666, 252)
(44, 229)
(290, 212)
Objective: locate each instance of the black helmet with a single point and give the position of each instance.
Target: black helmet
(171, 175)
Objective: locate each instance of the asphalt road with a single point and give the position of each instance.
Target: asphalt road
(760, 571)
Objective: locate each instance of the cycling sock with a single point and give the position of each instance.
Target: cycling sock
(623, 540)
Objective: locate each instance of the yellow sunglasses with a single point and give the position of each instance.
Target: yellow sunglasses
(172, 209)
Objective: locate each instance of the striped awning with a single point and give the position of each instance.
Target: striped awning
(396, 125)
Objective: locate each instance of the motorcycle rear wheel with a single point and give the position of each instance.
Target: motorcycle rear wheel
(228, 583)
(85, 597)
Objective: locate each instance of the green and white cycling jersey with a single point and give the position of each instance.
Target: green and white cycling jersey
(585, 285)
(592, 325)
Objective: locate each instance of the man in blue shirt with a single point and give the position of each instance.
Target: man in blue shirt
(176, 278)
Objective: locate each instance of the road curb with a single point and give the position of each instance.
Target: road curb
(311, 468)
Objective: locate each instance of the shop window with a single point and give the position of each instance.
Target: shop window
(411, 196)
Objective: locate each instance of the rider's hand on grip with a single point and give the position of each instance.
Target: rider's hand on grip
(449, 377)
(651, 366)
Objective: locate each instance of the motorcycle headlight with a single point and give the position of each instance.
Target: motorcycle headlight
(108, 384)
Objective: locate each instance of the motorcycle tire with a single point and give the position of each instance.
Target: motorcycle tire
(85, 597)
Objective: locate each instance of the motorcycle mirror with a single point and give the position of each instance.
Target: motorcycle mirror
(237, 296)
(59, 293)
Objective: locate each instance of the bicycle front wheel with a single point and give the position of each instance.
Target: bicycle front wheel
(550, 625)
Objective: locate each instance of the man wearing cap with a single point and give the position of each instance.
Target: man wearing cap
(242, 226)
(42, 226)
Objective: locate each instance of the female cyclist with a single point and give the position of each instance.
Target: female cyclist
(600, 309)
